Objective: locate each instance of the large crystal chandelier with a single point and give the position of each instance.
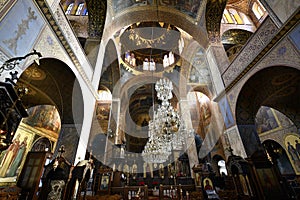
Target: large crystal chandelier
(166, 132)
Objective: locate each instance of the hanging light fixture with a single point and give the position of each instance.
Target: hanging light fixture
(166, 131)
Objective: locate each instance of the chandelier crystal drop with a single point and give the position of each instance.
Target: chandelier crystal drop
(166, 130)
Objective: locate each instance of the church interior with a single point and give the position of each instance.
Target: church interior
(150, 99)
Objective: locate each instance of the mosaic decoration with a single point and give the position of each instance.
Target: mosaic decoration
(188, 7)
(213, 15)
(97, 15)
(266, 120)
(119, 5)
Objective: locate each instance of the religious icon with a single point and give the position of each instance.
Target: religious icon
(104, 182)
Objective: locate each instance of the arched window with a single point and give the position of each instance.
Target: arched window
(258, 9)
(104, 95)
(227, 17)
(79, 9)
(222, 167)
(235, 15)
(69, 9)
(85, 12)
(245, 18)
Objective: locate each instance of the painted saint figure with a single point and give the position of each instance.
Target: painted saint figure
(207, 185)
(17, 161)
(10, 155)
(292, 151)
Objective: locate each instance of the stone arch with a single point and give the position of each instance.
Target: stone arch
(109, 79)
(170, 16)
(54, 83)
(42, 144)
(127, 124)
(110, 66)
(135, 82)
(279, 88)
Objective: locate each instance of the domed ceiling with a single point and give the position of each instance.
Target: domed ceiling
(150, 40)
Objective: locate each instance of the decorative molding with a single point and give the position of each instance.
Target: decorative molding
(284, 53)
(4, 6)
(66, 36)
(242, 64)
(48, 41)
(250, 51)
(213, 15)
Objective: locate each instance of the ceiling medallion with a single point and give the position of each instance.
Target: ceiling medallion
(34, 73)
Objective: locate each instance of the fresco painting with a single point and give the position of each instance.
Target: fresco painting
(11, 159)
(266, 120)
(45, 118)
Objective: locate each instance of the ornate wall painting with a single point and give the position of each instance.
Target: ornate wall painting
(266, 120)
(12, 159)
(119, 5)
(226, 112)
(292, 146)
(19, 28)
(44, 118)
(190, 7)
